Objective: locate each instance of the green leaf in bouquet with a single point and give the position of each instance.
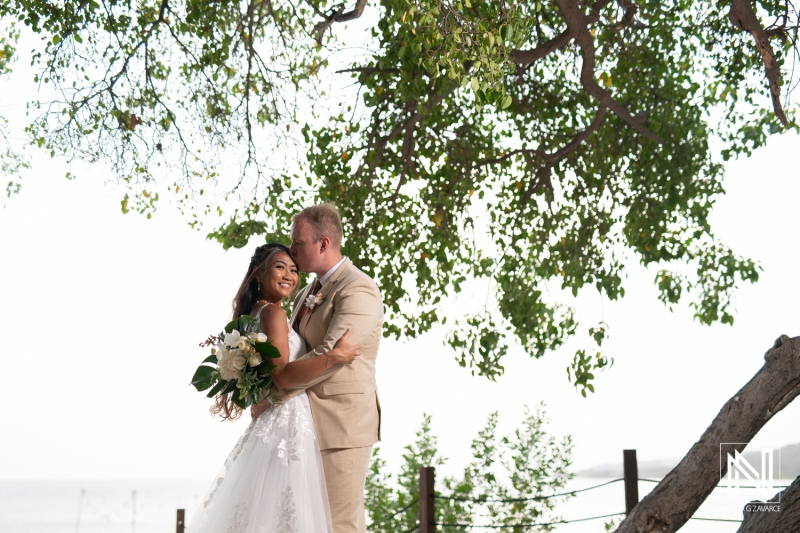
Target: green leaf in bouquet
(241, 324)
(240, 402)
(266, 367)
(232, 325)
(221, 384)
(266, 349)
(210, 359)
(246, 323)
(203, 377)
(231, 386)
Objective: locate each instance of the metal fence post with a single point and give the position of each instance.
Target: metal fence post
(179, 522)
(427, 506)
(631, 475)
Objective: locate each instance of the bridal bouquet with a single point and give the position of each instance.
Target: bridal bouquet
(240, 363)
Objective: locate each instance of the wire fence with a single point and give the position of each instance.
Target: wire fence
(425, 514)
(391, 517)
(451, 525)
(426, 522)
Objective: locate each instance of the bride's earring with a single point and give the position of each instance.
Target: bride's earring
(259, 288)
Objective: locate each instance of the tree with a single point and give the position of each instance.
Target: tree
(526, 465)
(11, 162)
(523, 144)
(676, 497)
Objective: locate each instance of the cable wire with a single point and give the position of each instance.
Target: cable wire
(510, 526)
(387, 518)
(533, 498)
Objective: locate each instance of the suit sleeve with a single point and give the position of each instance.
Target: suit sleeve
(357, 306)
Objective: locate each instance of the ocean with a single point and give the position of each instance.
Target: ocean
(96, 506)
(149, 506)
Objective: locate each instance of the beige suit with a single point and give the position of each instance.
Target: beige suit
(344, 399)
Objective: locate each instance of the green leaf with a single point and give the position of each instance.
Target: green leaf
(267, 349)
(203, 378)
(239, 402)
(266, 367)
(221, 384)
(231, 386)
(506, 102)
(210, 359)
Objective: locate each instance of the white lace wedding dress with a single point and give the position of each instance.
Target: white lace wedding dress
(272, 482)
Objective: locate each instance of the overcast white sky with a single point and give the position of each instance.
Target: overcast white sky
(101, 314)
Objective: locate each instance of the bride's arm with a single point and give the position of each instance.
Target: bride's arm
(289, 373)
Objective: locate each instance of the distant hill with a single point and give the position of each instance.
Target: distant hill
(789, 465)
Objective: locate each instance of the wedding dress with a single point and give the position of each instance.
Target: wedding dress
(272, 481)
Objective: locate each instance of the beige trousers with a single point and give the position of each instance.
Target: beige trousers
(345, 474)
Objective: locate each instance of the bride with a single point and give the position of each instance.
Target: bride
(272, 481)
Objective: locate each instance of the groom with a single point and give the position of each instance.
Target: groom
(344, 399)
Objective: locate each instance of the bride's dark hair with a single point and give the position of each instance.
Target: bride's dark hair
(246, 297)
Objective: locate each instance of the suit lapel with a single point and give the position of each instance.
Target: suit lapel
(327, 290)
(300, 301)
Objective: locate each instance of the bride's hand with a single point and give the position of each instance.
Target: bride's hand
(257, 409)
(343, 351)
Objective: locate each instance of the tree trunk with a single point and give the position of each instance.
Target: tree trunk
(683, 490)
(785, 520)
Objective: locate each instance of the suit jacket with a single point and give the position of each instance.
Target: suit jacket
(344, 398)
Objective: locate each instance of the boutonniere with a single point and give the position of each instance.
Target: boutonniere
(313, 300)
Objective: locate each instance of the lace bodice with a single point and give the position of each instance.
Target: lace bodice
(297, 346)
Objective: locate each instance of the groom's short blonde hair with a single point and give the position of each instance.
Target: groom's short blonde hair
(325, 222)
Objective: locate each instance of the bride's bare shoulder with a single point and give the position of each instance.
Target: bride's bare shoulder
(270, 311)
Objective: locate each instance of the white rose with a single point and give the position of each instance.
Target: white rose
(226, 370)
(232, 338)
(260, 337)
(255, 359)
(239, 362)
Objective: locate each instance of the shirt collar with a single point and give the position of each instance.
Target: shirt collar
(330, 272)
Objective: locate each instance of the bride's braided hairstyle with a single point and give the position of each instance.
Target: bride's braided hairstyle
(246, 298)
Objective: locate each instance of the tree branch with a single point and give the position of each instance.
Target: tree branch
(629, 17)
(409, 125)
(788, 519)
(338, 15)
(577, 24)
(542, 175)
(683, 490)
(579, 138)
(162, 10)
(743, 17)
(526, 57)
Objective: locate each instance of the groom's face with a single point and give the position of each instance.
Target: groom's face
(305, 251)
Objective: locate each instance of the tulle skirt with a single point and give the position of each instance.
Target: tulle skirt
(272, 482)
